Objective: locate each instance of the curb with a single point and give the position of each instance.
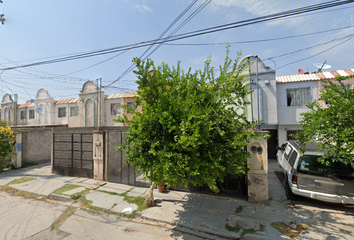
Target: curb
(61, 198)
(229, 236)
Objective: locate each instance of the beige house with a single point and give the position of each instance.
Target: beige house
(91, 109)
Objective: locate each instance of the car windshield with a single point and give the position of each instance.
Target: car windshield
(310, 164)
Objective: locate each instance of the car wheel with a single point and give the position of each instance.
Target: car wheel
(288, 191)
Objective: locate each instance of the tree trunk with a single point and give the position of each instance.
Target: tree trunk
(149, 200)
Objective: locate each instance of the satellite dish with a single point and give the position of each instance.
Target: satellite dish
(38, 110)
(321, 66)
(300, 71)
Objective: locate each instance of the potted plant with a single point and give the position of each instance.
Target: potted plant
(161, 186)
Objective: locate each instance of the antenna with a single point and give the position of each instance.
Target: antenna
(321, 66)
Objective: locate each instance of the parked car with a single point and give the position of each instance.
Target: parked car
(306, 176)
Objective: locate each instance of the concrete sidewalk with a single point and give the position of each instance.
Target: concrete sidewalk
(204, 213)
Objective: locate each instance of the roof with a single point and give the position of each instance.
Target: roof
(130, 94)
(64, 101)
(314, 76)
(26, 105)
(114, 96)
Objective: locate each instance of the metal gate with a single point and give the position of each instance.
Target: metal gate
(73, 154)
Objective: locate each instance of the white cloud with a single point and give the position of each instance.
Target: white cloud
(240, 9)
(143, 8)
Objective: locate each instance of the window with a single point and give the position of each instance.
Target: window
(31, 114)
(74, 111)
(115, 108)
(292, 158)
(23, 115)
(288, 151)
(289, 132)
(61, 112)
(298, 96)
(131, 105)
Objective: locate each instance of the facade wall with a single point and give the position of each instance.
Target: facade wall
(289, 115)
(74, 121)
(61, 120)
(113, 111)
(36, 144)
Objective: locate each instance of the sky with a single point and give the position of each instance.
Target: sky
(39, 30)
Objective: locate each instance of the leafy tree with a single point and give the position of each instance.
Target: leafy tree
(190, 130)
(330, 121)
(6, 139)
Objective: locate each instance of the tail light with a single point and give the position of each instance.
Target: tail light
(294, 179)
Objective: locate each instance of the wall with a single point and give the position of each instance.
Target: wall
(129, 97)
(62, 120)
(269, 101)
(291, 114)
(109, 117)
(36, 144)
(76, 121)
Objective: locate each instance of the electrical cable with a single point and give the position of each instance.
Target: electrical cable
(315, 54)
(161, 35)
(266, 18)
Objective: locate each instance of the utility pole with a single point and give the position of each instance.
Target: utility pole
(99, 122)
(98, 128)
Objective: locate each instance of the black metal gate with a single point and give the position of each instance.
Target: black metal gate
(72, 154)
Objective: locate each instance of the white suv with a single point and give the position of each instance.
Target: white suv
(306, 176)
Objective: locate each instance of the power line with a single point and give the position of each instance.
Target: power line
(262, 19)
(311, 47)
(258, 40)
(161, 35)
(315, 54)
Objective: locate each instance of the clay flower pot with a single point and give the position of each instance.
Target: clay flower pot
(160, 188)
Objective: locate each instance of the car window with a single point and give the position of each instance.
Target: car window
(287, 152)
(293, 158)
(310, 164)
(283, 146)
(341, 169)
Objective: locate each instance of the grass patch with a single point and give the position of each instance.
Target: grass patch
(66, 187)
(21, 180)
(62, 218)
(292, 233)
(139, 201)
(237, 228)
(239, 209)
(78, 195)
(16, 192)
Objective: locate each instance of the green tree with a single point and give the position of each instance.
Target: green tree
(6, 139)
(330, 121)
(190, 131)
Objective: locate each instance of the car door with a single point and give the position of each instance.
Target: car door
(280, 154)
(286, 156)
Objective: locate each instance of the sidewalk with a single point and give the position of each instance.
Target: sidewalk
(205, 213)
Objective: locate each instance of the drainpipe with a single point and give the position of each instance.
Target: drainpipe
(260, 101)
